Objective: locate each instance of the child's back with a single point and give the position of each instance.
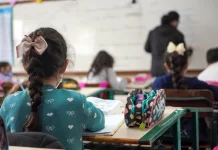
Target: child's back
(63, 114)
(42, 107)
(176, 62)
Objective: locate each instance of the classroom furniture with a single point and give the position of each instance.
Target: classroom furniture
(102, 85)
(7, 86)
(141, 85)
(170, 118)
(199, 103)
(103, 95)
(34, 139)
(96, 91)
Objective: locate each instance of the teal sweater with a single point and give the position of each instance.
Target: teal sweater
(63, 113)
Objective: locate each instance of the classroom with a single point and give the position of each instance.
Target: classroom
(108, 74)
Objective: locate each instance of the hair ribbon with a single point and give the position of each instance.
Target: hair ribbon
(39, 44)
(180, 48)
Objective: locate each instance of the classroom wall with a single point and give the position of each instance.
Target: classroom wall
(120, 27)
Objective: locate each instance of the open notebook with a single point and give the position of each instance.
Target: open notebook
(108, 107)
(112, 124)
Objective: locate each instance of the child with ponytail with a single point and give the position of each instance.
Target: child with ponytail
(176, 63)
(42, 107)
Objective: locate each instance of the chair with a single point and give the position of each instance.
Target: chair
(7, 86)
(193, 99)
(102, 85)
(33, 139)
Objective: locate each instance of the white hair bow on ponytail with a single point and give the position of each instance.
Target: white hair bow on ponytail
(180, 49)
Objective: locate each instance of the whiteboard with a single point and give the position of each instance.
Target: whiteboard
(6, 50)
(119, 27)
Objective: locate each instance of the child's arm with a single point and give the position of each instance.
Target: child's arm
(93, 117)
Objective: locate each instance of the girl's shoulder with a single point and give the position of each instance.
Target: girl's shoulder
(63, 93)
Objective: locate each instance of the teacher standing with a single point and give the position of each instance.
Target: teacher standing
(159, 38)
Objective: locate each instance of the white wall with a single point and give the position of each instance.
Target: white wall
(119, 27)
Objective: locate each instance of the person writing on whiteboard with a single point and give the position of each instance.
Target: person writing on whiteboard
(159, 38)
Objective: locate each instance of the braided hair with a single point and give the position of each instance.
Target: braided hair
(176, 64)
(41, 67)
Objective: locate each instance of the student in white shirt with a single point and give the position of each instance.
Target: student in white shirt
(210, 74)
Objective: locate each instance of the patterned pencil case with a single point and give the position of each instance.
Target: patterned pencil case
(144, 109)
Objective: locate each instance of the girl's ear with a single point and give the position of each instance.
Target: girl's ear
(166, 66)
(64, 68)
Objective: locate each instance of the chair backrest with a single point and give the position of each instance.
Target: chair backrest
(3, 135)
(104, 95)
(102, 85)
(34, 139)
(7, 86)
(189, 98)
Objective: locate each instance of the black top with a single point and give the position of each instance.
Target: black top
(157, 42)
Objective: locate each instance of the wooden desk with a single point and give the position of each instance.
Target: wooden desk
(96, 91)
(171, 117)
(143, 85)
(91, 91)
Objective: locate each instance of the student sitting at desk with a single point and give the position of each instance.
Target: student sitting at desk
(102, 71)
(176, 62)
(210, 74)
(42, 107)
(5, 72)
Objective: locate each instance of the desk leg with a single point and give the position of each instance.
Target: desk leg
(214, 128)
(111, 94)
(177, 135)
(195, 131)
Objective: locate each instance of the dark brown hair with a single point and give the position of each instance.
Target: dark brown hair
(212, 55)
(102, 60)
(42, 66)
(176, 64)
(170, 17)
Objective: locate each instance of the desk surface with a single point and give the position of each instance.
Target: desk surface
(90, 91)
(142, 85)
(137, 136)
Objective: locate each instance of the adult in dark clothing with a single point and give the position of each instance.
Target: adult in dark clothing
(159, 38)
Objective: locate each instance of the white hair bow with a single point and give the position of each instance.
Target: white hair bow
(180, 49)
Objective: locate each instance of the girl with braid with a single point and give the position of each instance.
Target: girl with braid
(176, 63)
(42, 107)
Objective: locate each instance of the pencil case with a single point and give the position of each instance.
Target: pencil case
(144, 109)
